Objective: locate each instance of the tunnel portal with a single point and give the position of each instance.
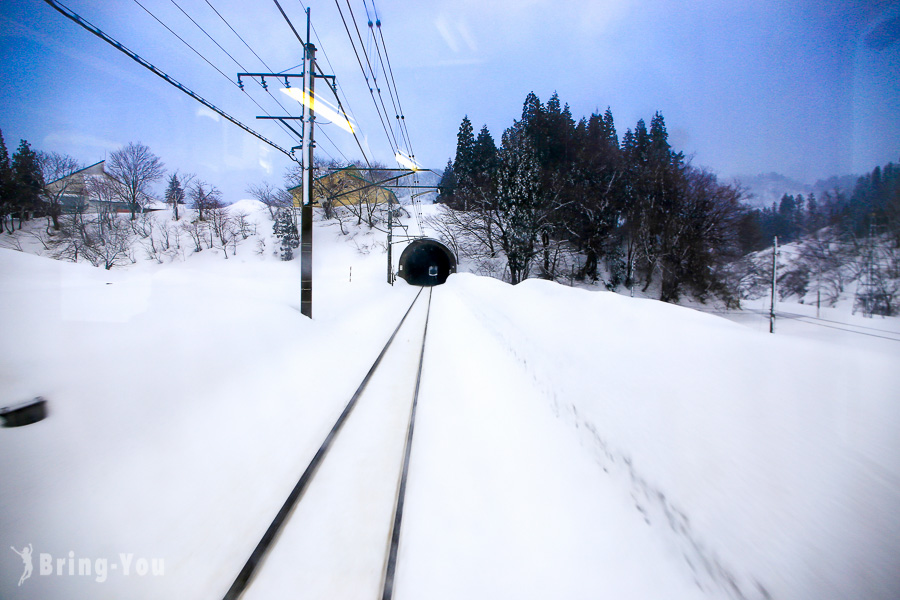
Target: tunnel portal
(426, 262)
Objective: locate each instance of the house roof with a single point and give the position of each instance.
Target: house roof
(78, 171)
(352, 171)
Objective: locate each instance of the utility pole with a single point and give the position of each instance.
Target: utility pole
(774, 282)
(870, 272)
(390, 231)
(307, 137)
(306, 212)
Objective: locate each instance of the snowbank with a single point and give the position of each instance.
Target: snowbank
(569, 444)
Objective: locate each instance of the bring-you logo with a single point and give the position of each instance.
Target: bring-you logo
(100, 569)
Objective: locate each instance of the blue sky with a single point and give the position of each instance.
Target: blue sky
(807, 89)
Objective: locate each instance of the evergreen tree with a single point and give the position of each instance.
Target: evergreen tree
(518, 201)
(659, 139)
(593, 213)
(27, 182)
(463, 165)
(447, 185)
(609, 129)
(641, 142)
(174, 193)
(628, 144)
(6, 184)
(485, 160)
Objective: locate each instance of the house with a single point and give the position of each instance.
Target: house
(345, 187)
(89, 190)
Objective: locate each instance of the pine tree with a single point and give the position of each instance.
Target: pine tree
(6, 183)
(28, 181)
(659, 139)
(641, 142)
(518, 201)
(609, 129)
(531, 112)
(174, 193)
(463, 165)
(485, 161)
(447, 185)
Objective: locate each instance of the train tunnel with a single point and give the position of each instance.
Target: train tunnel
(426, 262)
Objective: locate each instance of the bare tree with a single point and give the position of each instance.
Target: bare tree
(104, 192)
(115, 245)
(228, 230)
(134, 168)
(57, 170)
(273, 197)
(197, 230)
(74, 242)
(204, 197)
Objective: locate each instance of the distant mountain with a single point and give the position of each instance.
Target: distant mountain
(768, 188)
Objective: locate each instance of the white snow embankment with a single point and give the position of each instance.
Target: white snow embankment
(714, 458)
(184, 402)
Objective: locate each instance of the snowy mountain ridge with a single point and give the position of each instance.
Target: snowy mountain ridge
(766, 189)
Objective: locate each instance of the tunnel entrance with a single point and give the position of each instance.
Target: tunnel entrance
(426, 262)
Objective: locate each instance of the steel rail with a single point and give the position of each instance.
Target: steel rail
(387, 589)
(259, 553)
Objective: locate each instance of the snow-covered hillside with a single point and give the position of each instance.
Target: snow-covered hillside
(569, 443)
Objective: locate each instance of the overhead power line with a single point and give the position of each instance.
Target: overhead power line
(227, 53)
(69, 14)
(183, 41)
(365, 75)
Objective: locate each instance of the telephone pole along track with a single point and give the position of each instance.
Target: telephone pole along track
(342, 540)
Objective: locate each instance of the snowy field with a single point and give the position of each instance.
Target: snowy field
(569, 443)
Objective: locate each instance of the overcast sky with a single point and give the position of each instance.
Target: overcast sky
(805, 88)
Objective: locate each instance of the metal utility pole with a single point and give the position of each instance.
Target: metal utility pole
(390, 231)
(306, 212)
(308, 99)
(774, 282)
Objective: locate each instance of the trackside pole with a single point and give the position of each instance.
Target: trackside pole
(306, 213)
(774, 282)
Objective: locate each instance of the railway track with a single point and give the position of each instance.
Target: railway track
(337, 535)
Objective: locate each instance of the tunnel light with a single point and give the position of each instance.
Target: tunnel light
(321, 107)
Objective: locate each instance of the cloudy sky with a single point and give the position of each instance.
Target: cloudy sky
(805, 88)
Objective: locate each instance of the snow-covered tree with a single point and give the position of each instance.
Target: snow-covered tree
(286, 231)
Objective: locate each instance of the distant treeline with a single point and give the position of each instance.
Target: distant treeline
(561, 198)
(872, 206)
(566, 199)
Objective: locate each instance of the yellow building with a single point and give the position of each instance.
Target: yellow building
(345, 187)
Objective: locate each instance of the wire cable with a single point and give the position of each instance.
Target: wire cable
(233, 59)
(396, 146)
(285, 129)
(69, 14)
(363, 69)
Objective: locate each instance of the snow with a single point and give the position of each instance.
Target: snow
(569, 443)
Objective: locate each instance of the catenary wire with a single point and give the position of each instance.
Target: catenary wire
(230, 80)
(71, 15)
(233, 59)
